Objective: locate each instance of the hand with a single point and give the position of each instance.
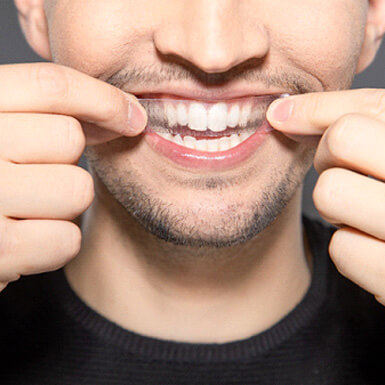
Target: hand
(41, 141)
(350, 159)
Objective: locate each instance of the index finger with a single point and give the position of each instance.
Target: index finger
(54, 88)
(313, 113)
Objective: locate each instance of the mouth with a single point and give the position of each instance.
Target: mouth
(206, 134)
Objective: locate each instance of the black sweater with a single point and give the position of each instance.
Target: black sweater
(334, 336)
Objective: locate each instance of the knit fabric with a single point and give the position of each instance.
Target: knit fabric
(335, 335)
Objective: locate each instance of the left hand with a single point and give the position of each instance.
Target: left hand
(351, 151)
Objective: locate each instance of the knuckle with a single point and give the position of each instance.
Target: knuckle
(82, 190)
(52, 80)
(336, 139)
(314, 106)
(75, 139)
(112, 105)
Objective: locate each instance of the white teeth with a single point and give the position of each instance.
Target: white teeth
(218, 117)
(189, 141)
(201, 145)
(171, 114)
(235, 140)
(245, 135)
(197, 117)
(245, 115)
(224, 144)
(212, 145)
(182, 116)
(233, 116)
(167, 136)
(177, 139)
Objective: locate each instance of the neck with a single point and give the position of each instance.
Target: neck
(196, 295)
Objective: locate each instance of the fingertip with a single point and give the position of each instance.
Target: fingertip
(137, 116)
(280, 111)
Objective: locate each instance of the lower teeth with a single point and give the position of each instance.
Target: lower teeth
(210, 145)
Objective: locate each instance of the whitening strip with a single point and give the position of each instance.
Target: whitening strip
(214, 118)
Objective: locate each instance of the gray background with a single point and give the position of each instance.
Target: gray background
(14, 49)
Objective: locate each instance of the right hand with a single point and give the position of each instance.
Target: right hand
(41, 141)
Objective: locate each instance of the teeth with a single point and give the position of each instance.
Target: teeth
(224, 144)
(243, 135)
(245, 115)
(189, 141)
(167, 136)
(235, 140)
(211, 145)
(181, 112)
(177, 139)
(171, 114)
(201, 145)
(233, 116)
(218, 117)
(197, 117)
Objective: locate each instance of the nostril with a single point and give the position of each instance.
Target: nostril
(212, 63)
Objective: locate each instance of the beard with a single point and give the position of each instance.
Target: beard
(231, 224)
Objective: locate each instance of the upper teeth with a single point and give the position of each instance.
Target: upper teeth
(216, 118)
(197, 117)
(181, 114)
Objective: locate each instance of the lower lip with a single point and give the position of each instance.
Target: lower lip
(204, 160)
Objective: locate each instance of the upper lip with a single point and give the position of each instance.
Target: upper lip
(218, 93)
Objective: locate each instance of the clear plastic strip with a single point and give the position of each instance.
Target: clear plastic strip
(212, 118)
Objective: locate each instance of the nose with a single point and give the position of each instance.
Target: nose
(213, 35)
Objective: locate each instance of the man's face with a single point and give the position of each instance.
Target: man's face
(207, 49)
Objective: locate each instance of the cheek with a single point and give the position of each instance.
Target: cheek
(98, 36)
(323, 38)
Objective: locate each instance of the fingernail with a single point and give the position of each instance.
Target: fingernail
(280, 110)
(137, 117)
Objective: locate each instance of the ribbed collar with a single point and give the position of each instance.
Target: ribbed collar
(248, 349)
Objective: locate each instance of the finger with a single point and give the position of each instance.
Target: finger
(42, 191)
(53, 88)
(355, 142)
(343, 196)
(361, 258)
(312, 113)
(35, 246)
(40, 138)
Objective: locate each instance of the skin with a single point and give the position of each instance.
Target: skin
(203, 277)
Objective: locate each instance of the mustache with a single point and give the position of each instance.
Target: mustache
(152, 76)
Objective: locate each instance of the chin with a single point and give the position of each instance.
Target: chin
(221, 224)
